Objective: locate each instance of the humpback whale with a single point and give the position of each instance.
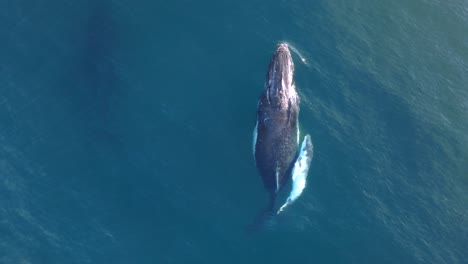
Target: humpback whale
(276, 133)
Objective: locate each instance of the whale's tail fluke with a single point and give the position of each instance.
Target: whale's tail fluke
(264, 217)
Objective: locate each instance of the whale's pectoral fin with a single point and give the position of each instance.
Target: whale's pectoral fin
(300, 171)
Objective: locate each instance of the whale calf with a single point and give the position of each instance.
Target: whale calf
(276, 133)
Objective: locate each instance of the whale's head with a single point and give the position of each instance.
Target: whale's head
(279, 80)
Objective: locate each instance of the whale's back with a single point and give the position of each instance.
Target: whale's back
(276, 135)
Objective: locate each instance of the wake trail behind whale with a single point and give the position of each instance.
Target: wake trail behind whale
(296, 51)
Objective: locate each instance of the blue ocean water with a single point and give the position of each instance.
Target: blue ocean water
(126, 131)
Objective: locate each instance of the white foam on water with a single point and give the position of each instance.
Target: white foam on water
(255, 138)
(299, 172)
(277, 178)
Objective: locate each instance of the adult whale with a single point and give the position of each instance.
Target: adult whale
(276, 134)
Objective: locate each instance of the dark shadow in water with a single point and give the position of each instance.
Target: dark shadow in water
(97, 63)
(95, 93)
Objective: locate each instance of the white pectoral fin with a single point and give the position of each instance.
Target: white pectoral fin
(254, 138)
(300, 171)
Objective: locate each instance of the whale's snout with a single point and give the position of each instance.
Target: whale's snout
(282, 47)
